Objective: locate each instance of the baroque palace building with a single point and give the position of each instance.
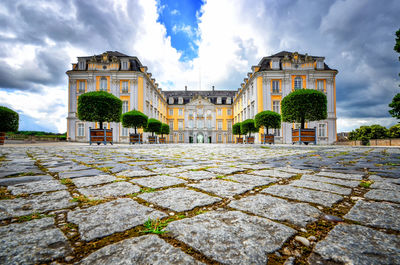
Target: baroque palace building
(203, 116)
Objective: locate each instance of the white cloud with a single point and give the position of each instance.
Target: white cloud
(187, 29)
(175, 12)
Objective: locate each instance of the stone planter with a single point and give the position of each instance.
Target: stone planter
(239, 140)
(267, 139)
(152, 139)
(250, 140)
(100, 136)
(305, 136)
(2, 137)
(161, 140)
(135, 138)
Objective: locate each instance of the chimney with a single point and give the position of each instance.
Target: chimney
(212, 88)
(185, 88)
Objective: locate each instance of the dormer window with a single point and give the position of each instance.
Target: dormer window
(124, 65)
(219, 100)
(180, 100)
(320, 65)
(298, 83)
(228, 100)
(81, 65)
(171, 100)
(275, 64)
(103, 84)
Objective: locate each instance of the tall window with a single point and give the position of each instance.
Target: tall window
(81, 87)
(229, 112)
(209, 124)
(190, 124)
(124, 65)
(230, 138)
(180, 125)
(219, 138)
(321, 130)
(125, 87)
(103, 84)
(275, 86)
(277, 132)
(181, 137)
(298, 83)
(219, 125)
(81, 65)
(171, 125)
(200, 124)
(219, 112)
(125, 106)
(180, 113)
(320, 85)
(276, 106)
(171, 112)
(229, 125)
(125, 131)
(81, 129)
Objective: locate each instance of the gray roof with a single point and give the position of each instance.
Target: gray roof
(211, 95)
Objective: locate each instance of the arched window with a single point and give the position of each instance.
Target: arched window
(298, 83)
(103, 84)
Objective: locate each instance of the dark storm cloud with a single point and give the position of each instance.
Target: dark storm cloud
(53, 26)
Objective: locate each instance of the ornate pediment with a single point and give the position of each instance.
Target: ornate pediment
(198, 100)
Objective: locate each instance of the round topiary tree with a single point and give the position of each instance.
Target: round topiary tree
(304, 105)
(394, 131)
(248, 126)
(268, 119)
(134, 119)
(236, 129)
(9, 120)
(153, 126)
(99, 106)
(164, 129)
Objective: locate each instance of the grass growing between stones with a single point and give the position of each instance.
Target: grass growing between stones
(32, 216)
(66, 181)
(83, 200)
(366, 183)
(155, 226)
(5, 194)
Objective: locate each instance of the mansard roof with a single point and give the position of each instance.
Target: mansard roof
(135, 63)
(211, 95)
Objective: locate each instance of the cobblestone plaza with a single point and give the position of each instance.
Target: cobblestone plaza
(199, 204)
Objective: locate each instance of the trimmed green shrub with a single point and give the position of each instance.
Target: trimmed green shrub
(394, 131)
(395, 106)
(378, 132)
(268, 119)
(9, 120)
(164, 129)
(134, 119)
(236, 129)
(304, 105)
(99, 106)
(248, 126)
(153, 126)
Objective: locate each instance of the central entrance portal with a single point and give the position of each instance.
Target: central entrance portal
(200, 138)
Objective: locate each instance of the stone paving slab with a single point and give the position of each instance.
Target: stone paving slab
(340, 175)
(23, 179)
(294, 170)
(347, 183)
(159, 181)
(320, 197)
(80, 173)
(382, 215)
(136, 173)
(140, 250)
(224, 170)
(35, 203)
(32, 242)
(179, 199)
(231, 237)
(111, 190)
(91, 181)
(355, 244)
(66, 168)
(299, 214)
(196, 175)
(256, 181)
(222, 188)
(107, 218)
(381, 179)
(169, 170)
(273, 173)
(385, 185)
(36, 187)
(321, 186)
(383, 195)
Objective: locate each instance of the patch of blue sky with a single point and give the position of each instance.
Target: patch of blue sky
(180, 21)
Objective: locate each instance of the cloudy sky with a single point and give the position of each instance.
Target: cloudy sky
(199, 44)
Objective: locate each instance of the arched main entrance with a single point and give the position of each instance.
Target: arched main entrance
(200, 138)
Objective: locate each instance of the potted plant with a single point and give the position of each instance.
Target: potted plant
(301, 106)
(153, 126)
(236, 131)
(99, 106)
(248, 126)
(9, 121)
(268, 119)
(164, 130)
(134, 119)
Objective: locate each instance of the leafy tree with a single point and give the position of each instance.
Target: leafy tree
(248, 126)
(9, 120)
(304, 105)
(153, 126)
(164, 129)
(268, 119)
(395, 105)
(378, 132)
(236, 129)
(397, 45)
(99, 106)
(134, 119)
(394, 131)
